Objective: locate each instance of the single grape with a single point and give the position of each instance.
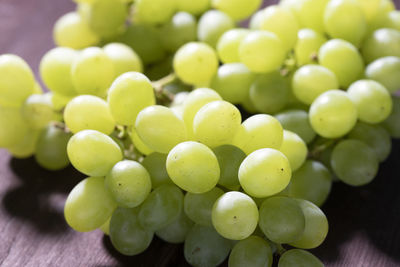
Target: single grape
(26, 147)
(176, 231)
(138, 143)
(299, 258)
(105, 228)
(252, 251)
(228, 45)
(193, 7)
(38, 111)
(155, 164)
(307, 46)
(125, 59)
(294, 148)
(384, 70)
(297, 121)
(59, 102)
(212, 24)
(237, 9)
(154, 11)
(381, 43)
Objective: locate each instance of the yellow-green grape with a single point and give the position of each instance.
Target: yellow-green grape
(384, 70)
(160, 129)
(176, 231)
(385, 6)
(155, 164)
(261, 51)
(391, 20)
(154, 11)
(370, 8)
(26, 147)
(248, 105)
(235, 215)
(16, 80)
(265, 172)
(372, 100)
(195, 63)
(333, 114)
(92, 72)
(93, 153)
(128, 95)
(344, 19)
(71, 30)
(89, 205)
(255, 20)
(253, 251)
(37, 88)
(297, 121)
(58, 101)
(87, 112)
(193, 167)
(193, 7)
(381, 43)
(237, 9)
(129, 183)
(105, 228)
(391, 124)
(124, 58)
(13, 127)
(259, 131)
(316, 226)
(216, 123)
(228, 45)
(294, 148)
(55, 70)
(38, 111)
(307, 46)
(212, 24)
(138, 143)
(299, 257)
(343, 59)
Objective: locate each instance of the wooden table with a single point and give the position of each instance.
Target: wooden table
(364, 222)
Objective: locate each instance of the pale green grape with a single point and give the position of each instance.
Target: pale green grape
(391, 20)
(297, 121)
(58, 101)
(16, 80)
(155, 164)
(212, 24)
(372, 100)
(370, 8)
(92, 72)
(204, 247)
(354, 162)
(264, 172)
(216, 123)
(385, 71)
(126, 233)
(299, 258)
(38, 111)
(161, 207)
(193, 7)
(281, 219)
(228, 45)
(176, 231)
(312, 182)
(13, 127)
(294, 148)
(307, 46)
(154, 11)
(124, 58)
(138, 143)
(55, 70)
(248, 105)
(316, 226)
(252, 251)
(26, 147)
(105, 228)
(193, 167)
(237, 9)
(195, 63)
(391, 124)
(310, 81)
(381, 43)
(89, 205)
(262, 51)
(71, 30)
(255, 20)
(259, 131)
(385, 6)
(160, 129)
(333, 114)
(235, 215)
(93, 153)
(129, 183)
(343, 59)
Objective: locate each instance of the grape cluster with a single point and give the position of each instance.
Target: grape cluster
(195, 130)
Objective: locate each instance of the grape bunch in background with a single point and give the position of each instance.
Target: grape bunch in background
(196, 130)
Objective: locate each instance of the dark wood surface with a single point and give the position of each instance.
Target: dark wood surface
(364, 222)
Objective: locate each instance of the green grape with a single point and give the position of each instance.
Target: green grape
(235, 215)
(391, 20)
(195, 63)
(92, 72)
(343, 59)
(252, 251)
(294, 148)
(129, 183)
(89, 205)
(93, 153)
(369, 7)
(265, 172)
(55, 69)
(316, 226)
(262, 51)
(372, 100)
(161, 207)
(154, 11)
(259, 131)
(124, 58)
(126, 233)
(297, 121)
(384, 70)
(237, 9)
(248, 105)
(38, 111)
(216, 123)
(161, 69)
(229, 160)
(391, 124)
(138, 143)
(299, 258)
(181, 29)
(193, 7)
(385, 6)
(176, 231)
(256, 19)
(312, 182)
(212, 24)
(26, 147)
(354, 162)
(310, 81)
(204, 247)
(307, 46)
(228, 45)
(71, 30)
(193, 167)
(233, 81)
(155, 164)
(269, 92)
(128, 95)
(179, 99)
(160, 129)
(16, 80)
(105, 228)
(13, 127)
(281, 219)
(37, 89)
(333, 114)
(381, 43)
(58, 101)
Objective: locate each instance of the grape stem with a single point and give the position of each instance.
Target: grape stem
(159, 88)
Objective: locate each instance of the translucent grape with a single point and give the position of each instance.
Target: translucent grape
(26, 147)
(13, 128)
(297, 121)
(155, 164)
(124, 58)
(300, 258)
(154, 11)
(176, 231)
(212, 24)
(392, 124)
(252, 251)
(193, 7)
(105, 228)
(237, 9)
(381, 43)
(307, 46)
(59, 102)
(294, 148)
(369, 7)
(384, 70)
(391, 20)
(138, 143)
(255, 20)
(38, 111)
(228, 45)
